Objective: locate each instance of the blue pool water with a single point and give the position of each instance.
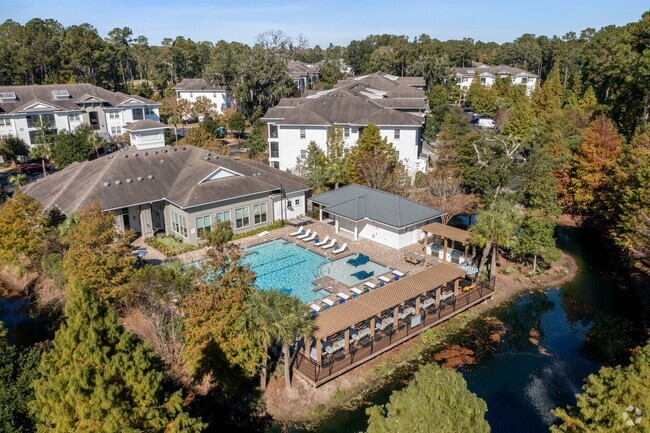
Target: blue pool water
(287, 267)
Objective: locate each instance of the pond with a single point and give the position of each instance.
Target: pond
(23, 327)
(553, 339)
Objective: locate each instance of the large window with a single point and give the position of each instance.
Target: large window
(116, 130)
(137, 114)
(203, 225)
(483, 80)
(303, 133)
(149, 111)
(179, 225)
(223, 216)
(275, 149)
(396, 134)
(346, 132)
(259, 213)
(242, 217)
(113, 115)
(5, 121)
(303, 154)
(46, 119)
(74, 117)
(273, 131)
(524, 80)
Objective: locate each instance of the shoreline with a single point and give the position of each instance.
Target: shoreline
(306, 406)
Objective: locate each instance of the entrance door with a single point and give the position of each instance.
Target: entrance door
(94, 120)
(125, 218)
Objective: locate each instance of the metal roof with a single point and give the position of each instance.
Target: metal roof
(356, 310)
(356, 202)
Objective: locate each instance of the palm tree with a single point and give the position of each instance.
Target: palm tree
(295, 322)
(495, 227)
(96, 141)
(18, 179)
(42, 151)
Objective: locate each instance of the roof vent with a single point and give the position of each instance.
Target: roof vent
(129, 180)
(207, 158)
(208, 154)
(110, 157)
(174, 149)
(146, 153)
(135, 154)
(118, 182)
(165, 151)
(140, 178)
(162, 161)
(155, 152)
(184, 148)
(107, 184)
(125, 156)
(150, 177)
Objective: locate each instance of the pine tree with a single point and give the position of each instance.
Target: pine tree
(547, 100)
(99, 378)
(436, 400)
(99, 256)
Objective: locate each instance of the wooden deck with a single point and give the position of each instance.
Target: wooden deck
(341, 362)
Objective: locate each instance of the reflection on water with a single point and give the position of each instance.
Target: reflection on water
(23, 328)
(555, 338)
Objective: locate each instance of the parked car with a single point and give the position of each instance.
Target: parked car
(486, 123)
(35, 168)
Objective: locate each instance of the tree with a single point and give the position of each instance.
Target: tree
(74, 146)
(22, 227)
(99, 257)
(99, 378)
(18, 179)
(95, 141)
(616, 400)
(18, 369)
(495, 227)
(256, 141)
(201, 107)
(444, 191)
(480, 98)
(43, 147)
(535, 238)
(219, 234)
(13, 147)
(237, 122)
(199, 137)
(313, 167)
(336, 169)
(212, 341)
(436, 400)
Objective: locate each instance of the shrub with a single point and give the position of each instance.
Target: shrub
(274, 225)
(170, 245)
(52, 266)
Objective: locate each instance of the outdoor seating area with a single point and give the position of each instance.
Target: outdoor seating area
(447, 244)
(378, 318)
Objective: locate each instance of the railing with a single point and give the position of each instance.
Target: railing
(333, 365)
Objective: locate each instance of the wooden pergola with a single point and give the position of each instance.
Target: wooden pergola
(447, 233)
(382, 319)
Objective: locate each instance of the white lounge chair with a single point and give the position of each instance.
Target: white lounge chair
(357, 291)
(304, 235)
(328, 301)
(330, 245)
(383, 324)
(315, 307)
(369, 285)
(398, 273)
(311, 238)
(322, 241)
(343, 296)
(340, 250)
(357, 336)
(428, 302)
(297, 232)
(406, 313)
(385, 279)
(264, 233)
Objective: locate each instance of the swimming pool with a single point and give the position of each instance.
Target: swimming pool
(343, 272)
(287, 267)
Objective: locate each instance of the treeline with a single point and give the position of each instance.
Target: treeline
(611, 60)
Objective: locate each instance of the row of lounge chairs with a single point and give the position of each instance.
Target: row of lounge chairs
(325, 243)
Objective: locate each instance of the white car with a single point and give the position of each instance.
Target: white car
(486, 123)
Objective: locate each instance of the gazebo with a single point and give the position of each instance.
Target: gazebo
(443, 249)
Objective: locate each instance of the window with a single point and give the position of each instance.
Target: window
(203, 225)
(223, 216)
(74, 117)
(275, 164)
(46, 119)
(524, 80)
(273, 131)
(361, 128)
(464, 80)
(214, 95)
(137, 114)
(191, 95)
(179, 226)
(397, 154)
(259, 213)
(242, 218)
(149, 111)
(113, 114)
(297, 202)
(303, 133)
(483, 80)
(303, 154)
(396, 134)
(275, 149)
(346, 132)
(116, 130)
(5, 121)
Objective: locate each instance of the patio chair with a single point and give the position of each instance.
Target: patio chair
(330, 245)
(343, 295)
(369, 285)
(340, 250)
(297, 232)
(353, 261)
(322, 242)
(311, 238)
(363, 275)
(313, 313)
(304, 235)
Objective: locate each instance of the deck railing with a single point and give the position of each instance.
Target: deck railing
(332, 365)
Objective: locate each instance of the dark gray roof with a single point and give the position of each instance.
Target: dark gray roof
(177, 174)
(197, 84)
(480, 68)
(144, 124)
(298, 69)
(356, 202)
(27, 95)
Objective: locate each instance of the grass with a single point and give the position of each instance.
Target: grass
(170, 246)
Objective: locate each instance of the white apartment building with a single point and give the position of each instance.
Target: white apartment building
(488, 75)
(66, 106)
(192, 88)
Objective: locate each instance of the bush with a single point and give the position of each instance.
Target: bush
(274, 225)
(170, 245)
(52, 266)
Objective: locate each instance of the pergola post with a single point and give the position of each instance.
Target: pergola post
(320, 213)
(417, 305)
(444, 250)
(373, 319)
(456, 288)
(356, 230)
(346, 339)
(426, 239)
(396, 315)
(438, 290)
(466, 249)
(306, 346)
(319, 350)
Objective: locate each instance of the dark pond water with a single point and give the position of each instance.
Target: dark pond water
(23, 326)
(553, 340)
